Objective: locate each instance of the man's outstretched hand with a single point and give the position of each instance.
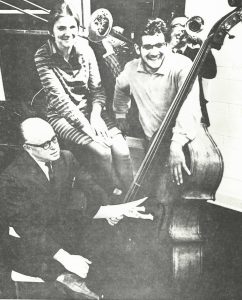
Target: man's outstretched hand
(136, 213)
(115, 213)
(76, 264)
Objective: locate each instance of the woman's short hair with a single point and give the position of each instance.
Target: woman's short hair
(151, 27)
(61, 9)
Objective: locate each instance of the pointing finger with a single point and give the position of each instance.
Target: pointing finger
(139, 208)
(186, 169)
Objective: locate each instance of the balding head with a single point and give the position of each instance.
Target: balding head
(36, 132)
(178, 33)
(179, 21)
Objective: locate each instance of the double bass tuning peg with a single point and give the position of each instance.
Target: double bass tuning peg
(230, 36)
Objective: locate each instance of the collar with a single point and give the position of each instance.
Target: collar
(39, 162)
(180, 50)
(163, 69)
(54, 50)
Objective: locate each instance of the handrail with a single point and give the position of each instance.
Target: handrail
(10, 145)
(24, 31)
(23, 11)
(36, 5)
(32, 15)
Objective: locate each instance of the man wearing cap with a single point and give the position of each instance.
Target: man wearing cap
(48, 200)
(182, 42)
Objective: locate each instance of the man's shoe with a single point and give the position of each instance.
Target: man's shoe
(74, 287)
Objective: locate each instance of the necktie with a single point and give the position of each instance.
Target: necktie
(51, 174)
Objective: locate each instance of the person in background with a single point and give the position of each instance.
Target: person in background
(50, 200)
(112, 55)
(76, 102)
(182, 42)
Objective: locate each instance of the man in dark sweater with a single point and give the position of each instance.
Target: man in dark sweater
(182, 42)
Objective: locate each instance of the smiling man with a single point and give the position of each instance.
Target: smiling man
(153, 80)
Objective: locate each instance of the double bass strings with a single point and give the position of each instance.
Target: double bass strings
(155, 145)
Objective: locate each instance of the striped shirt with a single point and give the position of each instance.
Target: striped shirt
(154, 93)
(71, 86)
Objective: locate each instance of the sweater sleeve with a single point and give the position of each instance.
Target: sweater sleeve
(189, 116)
(209, 67)
(122, 100)
(57, 97)
(97, 92)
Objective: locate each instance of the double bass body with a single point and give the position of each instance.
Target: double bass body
(189, 210)
(206, 165)
(180, 226)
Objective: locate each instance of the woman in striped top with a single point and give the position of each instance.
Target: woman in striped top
(70, 77)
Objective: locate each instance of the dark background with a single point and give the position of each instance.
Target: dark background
(17, 51)
(20, 79)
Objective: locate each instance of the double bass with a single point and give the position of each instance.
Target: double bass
(208, 179)
(206, 165)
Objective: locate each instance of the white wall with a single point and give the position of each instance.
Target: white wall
(84, 16)
(225, 95)
(2, 93)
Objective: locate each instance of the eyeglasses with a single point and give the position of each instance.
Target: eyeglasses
(149, 46)
(46, 145)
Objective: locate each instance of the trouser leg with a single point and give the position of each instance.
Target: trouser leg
(122, 162)
(100, 160)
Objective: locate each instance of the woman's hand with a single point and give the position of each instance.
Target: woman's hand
(100, 128)
(87, 128)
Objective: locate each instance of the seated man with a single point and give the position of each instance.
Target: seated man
(47, 198)
(154, 80)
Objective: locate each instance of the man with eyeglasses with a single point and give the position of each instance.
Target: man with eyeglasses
(49, 201)
(153, 81)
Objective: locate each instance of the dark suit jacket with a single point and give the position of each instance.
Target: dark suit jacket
(208, 71)
(45, 215)
(209, 67)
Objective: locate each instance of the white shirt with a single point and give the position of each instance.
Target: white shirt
(43, 167)
(154, 93)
